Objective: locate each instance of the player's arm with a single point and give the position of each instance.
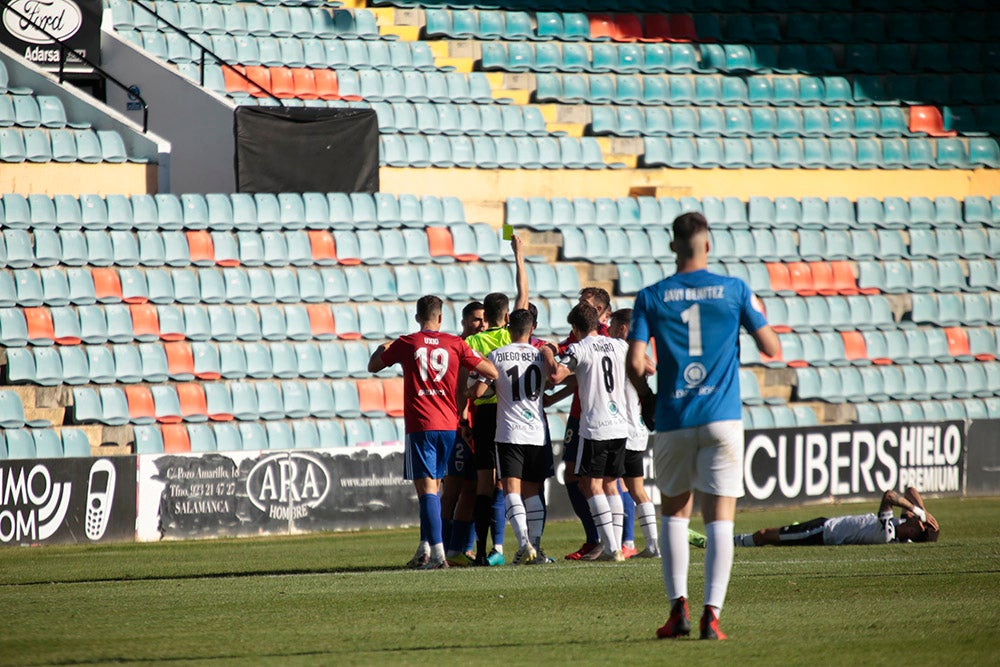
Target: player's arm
(479, 389)
(569, 386)
(636, 365)
(487, 370)
(892, 499)
(520, 273)
(375, 362)
(914, 497)
(558, 371)
(767, 341)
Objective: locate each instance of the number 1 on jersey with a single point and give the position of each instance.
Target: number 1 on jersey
(692, 318)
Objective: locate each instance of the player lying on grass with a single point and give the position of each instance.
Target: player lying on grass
(915, 525)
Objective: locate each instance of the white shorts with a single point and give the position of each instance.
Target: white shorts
(706, 458)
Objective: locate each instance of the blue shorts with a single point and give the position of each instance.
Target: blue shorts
(572, 441)
(461, 463)
(426, 454)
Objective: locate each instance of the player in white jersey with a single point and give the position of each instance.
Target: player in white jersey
(599, 365)
(915, 525)
(635, 447)
(522, 459)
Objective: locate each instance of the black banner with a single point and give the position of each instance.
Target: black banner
(73, 500)
(983, 467)
(254, 493)
(76, 22)
(790, 466)
(306, 149)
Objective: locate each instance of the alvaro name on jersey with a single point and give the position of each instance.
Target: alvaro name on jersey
(599, 364)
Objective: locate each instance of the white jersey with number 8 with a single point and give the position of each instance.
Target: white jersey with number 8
(599, 364)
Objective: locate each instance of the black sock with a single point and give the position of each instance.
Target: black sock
(483, 516)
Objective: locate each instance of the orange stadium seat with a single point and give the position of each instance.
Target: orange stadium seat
(958, 342)
(326, 84)
(602, 26)
(440, 242)
(801, 278)
(282, 84)
(234, 82)
(200, 247)
(371, 397)
(781, 281)
(176, 439)
(928, 120)
(822, 277)
(393, 388)
(180, 360)
(41, 330)
(304, 83)
(145, 321)
(321, 322)
(141, 409)
(194, 406)
(628, 28)
(107, 285)
(844, 281)
(324, 250)
(262, 77)
(854, 346)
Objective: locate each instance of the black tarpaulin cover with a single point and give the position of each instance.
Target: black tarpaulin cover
(302, 149)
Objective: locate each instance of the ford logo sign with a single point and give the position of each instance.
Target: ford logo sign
(61, 18)
(288, 485)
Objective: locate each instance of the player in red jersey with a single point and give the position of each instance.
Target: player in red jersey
(430, 359)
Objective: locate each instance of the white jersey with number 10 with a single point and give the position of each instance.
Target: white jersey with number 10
(519, 390)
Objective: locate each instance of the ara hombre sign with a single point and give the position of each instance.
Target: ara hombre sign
(76, 22)
(258, 493)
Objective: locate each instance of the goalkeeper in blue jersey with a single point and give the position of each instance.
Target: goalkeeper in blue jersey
(695, 318)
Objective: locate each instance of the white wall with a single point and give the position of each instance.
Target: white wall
(198, 123)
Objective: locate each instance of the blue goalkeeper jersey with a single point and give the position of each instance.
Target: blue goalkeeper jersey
(695, 320)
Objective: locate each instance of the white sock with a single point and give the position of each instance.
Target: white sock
(424, 547)
(744, 540)
(646, 513)
(517, 517)
(675, 556)
(617, 516)
(535, 508)
(437, 551)
(718, 562)
(601, 513)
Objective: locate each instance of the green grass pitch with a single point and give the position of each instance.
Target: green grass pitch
(345, 599)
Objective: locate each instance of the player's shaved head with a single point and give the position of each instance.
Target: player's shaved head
(583, 318)
(520, 323)
(495, 306)
(429, 309)
(690, 234)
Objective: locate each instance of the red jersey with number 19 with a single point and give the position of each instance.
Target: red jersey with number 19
(430, 361)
